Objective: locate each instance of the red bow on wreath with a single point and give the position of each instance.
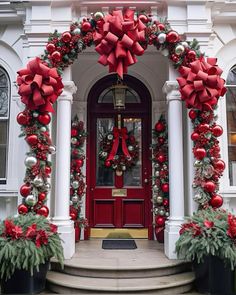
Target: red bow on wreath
(118, 40)
(119, 133)
(39, 86)
(201, 84)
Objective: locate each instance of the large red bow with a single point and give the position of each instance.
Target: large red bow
(119, 133)
(39, 86)
(200, 84)
(118, 40)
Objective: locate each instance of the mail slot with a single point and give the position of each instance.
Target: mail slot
(122, 192)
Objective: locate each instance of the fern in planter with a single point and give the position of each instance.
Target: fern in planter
(27, 241)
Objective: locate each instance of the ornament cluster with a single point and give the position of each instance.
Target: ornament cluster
(160, 179)
(112, 153)
(34, 190)
(77, 178)
(208, 165)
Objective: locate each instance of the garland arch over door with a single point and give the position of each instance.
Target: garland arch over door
(119, 200)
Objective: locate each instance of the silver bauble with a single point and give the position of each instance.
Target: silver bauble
(35, 114)
(98, 15)
(77, 31)
(30, 161)
(161, 38)
(156, 211)
(156, 165)
(164, 167)
(104, 154)
(162, 212)
(179, 49)
(47, 187)
(52, 149)
(159, 200)
(31, 200)
(38, 181)
(73, 140)
(123, 168)
(197, 163)
(43, 129)
(130, 148)
(155, 188)
(167, 214)
(75, 184)
(109, 136)
(157, 173)
(74, 199)
(71, 176)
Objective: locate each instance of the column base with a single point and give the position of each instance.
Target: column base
(67, 234)
(171, 235)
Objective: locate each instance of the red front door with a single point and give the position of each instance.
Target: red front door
(119, 201)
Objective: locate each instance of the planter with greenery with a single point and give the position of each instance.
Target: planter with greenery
(208, 239)
(27, 242)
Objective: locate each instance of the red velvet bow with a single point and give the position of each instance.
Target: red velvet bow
(118, 40)
(200, 84)
(119, 133)
(39, 86)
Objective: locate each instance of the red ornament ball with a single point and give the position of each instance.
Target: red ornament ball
(161, 140)
(25, 190)
(192, 114)
(161, 27)
(160, 221)
(22, 209)
(86, 26)
(161, 158)
(166, 202)
(195, 136)
(74, 132)
(56, 56)
(22, 119)
(159, 127)
(192, 54)
(199, 153)
(216, 201)
(203, 128)
(44, 119)
(47, 169)
(66, 37)
(217, 130)
(44, 211)
(32, 139)
(42, 197)
(107, 164)
(174, 58)
(165, 187)
(50, 47)
(209, 186)
(79, 163)
(73, 215)
(219, 165)
(172, 37)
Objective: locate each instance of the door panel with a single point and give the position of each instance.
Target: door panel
(133, 213)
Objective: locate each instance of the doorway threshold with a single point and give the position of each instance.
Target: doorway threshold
(119, 233)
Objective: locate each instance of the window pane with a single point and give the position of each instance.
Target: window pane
(3, 148)
(130, 97)
(133, 177)
(104, 176)
(4, 94)
(231, 78)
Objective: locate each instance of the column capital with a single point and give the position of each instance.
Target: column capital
(171, 89)
(68, 91)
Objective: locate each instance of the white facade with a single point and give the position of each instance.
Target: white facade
(24, 30)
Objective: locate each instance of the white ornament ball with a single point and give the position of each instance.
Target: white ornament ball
(52, 149)
(130, 148)
(179, 49)
(104, 154)
(30, 161)
(167, 214)
(75, 184)
(43, 129)
(73, 140)
(98, 15)
(162, 212)
(159, 200)
(161, 38)
(157, 173)
(77, 31)
(109, 136)
(38, 181)
(155, 188)
(123, 168)
(35, 114)
(31, 200)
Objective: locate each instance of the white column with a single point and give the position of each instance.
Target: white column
(176, 179)
(62, 189)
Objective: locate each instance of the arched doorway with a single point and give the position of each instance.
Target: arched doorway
(115, 201)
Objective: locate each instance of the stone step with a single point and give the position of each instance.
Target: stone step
(69, 284)
(84, 269)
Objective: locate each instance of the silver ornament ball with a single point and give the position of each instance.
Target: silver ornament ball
(75, 184)
(43, 129)
(179, 49)
(123, 168)
(130, 148)
(162, 212)
(159, 200)
(31, 200)
(167, 214)
(75, 199)
(77, 31)
(98, 15)
(35, 114)
(38, 181)
(47, 187)
(157, 173)
(73, 140)
(52, 149)
(109, 136)
(161, 38)
(30, 161)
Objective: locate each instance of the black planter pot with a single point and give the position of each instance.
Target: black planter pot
(214, 277)
(21, 282)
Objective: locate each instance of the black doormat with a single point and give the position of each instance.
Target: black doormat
(119, 244)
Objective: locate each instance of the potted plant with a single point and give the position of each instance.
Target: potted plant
(81, 222)
(208, 238)
(27, 242)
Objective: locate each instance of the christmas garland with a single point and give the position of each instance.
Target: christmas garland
(160, 183)
(77, 183)
(119, 150)
(118, 37)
